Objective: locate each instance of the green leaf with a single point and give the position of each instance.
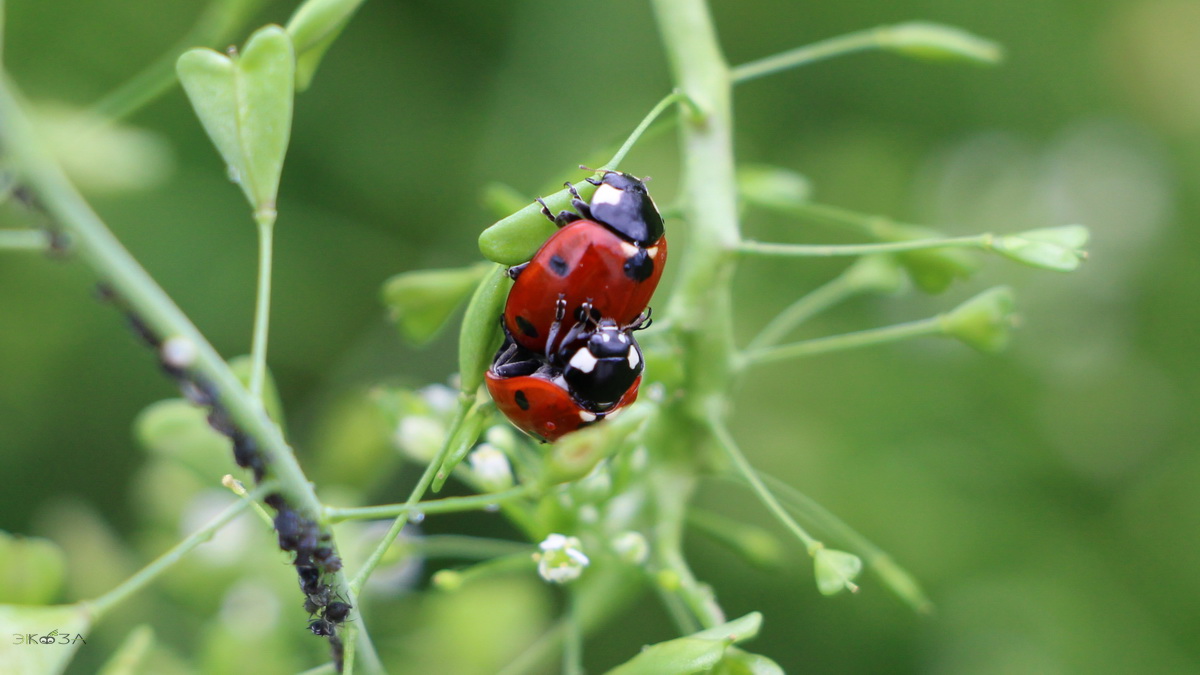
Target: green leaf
(314, 27)
(421, 302)
(836, 571)
(481, 336)
(938, 42)
(32, 569)
(1052, 248)
(738, 662)
(514, 240)
(245, 105)
(696, 653)
(127, 659)
(63, 624)
(983, 322)
(179, 430)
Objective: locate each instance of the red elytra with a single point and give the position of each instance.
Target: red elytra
(543, 408)
(582, 262)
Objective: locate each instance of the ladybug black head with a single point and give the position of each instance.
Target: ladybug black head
(622, 203)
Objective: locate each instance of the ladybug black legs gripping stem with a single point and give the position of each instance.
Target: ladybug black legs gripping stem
(564, 217)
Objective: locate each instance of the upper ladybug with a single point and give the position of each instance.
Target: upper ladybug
(610, 258)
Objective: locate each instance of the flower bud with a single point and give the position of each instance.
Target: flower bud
(836, 571)
(984, 321)
(490, 468)
(1052, 248)
(936, 42)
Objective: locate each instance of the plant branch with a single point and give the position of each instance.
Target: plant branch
(96, 246)
(262, 306)
(24, 240)
(659, 108)
(447, 505)
(833, 343)
(982, 241)
(164, 562)
(833, 292)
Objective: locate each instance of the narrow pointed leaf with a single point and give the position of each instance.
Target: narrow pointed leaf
(421, 302)
(61, 624)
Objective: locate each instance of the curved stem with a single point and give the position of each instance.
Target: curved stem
(833, 343)
(95, 244)
(164, 562)
(658, 109)
(808, 306)
(219, 24)
(447, 505)
(802, 56)
(981, 241)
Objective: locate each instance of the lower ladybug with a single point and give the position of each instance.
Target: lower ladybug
(600, 360)
(537, 399)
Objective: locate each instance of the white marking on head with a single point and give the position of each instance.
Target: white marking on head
(587, 416)
(628, 249)
(634, 359)
(583, 361)
(607, 194)
(652, 251)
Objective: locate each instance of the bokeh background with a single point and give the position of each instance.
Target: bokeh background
(1046, 496)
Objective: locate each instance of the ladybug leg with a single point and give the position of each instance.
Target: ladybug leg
(515, 270)
(577, 201)
(642, 322)
(560, 313)
(563, 218)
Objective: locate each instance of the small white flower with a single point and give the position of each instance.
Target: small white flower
(491, 468)
(561, 560)
(440, 398)
(420, 437)
(632, 547)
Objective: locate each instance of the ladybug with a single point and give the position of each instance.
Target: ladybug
(608, 254)
(537, 399)
(600, 360)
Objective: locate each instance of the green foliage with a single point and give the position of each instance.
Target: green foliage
(244, 102)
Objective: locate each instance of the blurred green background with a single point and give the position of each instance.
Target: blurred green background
(1046, 496)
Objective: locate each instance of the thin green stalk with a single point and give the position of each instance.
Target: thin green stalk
(833, 343)
(95, 244)
(217, 25)
(164, 562)
(464, 546)
(573, 640)
(24, 240)
(658, 109)
(764, 494)
(385, 543)
(671, 491)
(685, 622)
(835, 291)
(858, 41)
(447, 505)
(895, 577)
(981, 241)
(262, 306)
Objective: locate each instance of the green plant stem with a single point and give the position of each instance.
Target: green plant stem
(833, 292)
(464, 546)
(658, 109)
(670, 521)
(896, 578)
(164, 562)
(262, 306)
(573, 640)
(385, 543)
(981, 241)
(764, 494)
(24, 240)
(95, 244)
(863, 40)
(217, 25)
(447, 505)
(833, 343)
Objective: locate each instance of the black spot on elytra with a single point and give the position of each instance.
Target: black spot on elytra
(522, 400)
(640, 266)
(558, 265)
(526, 327)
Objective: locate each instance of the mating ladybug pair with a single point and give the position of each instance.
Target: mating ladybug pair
(569, 357)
